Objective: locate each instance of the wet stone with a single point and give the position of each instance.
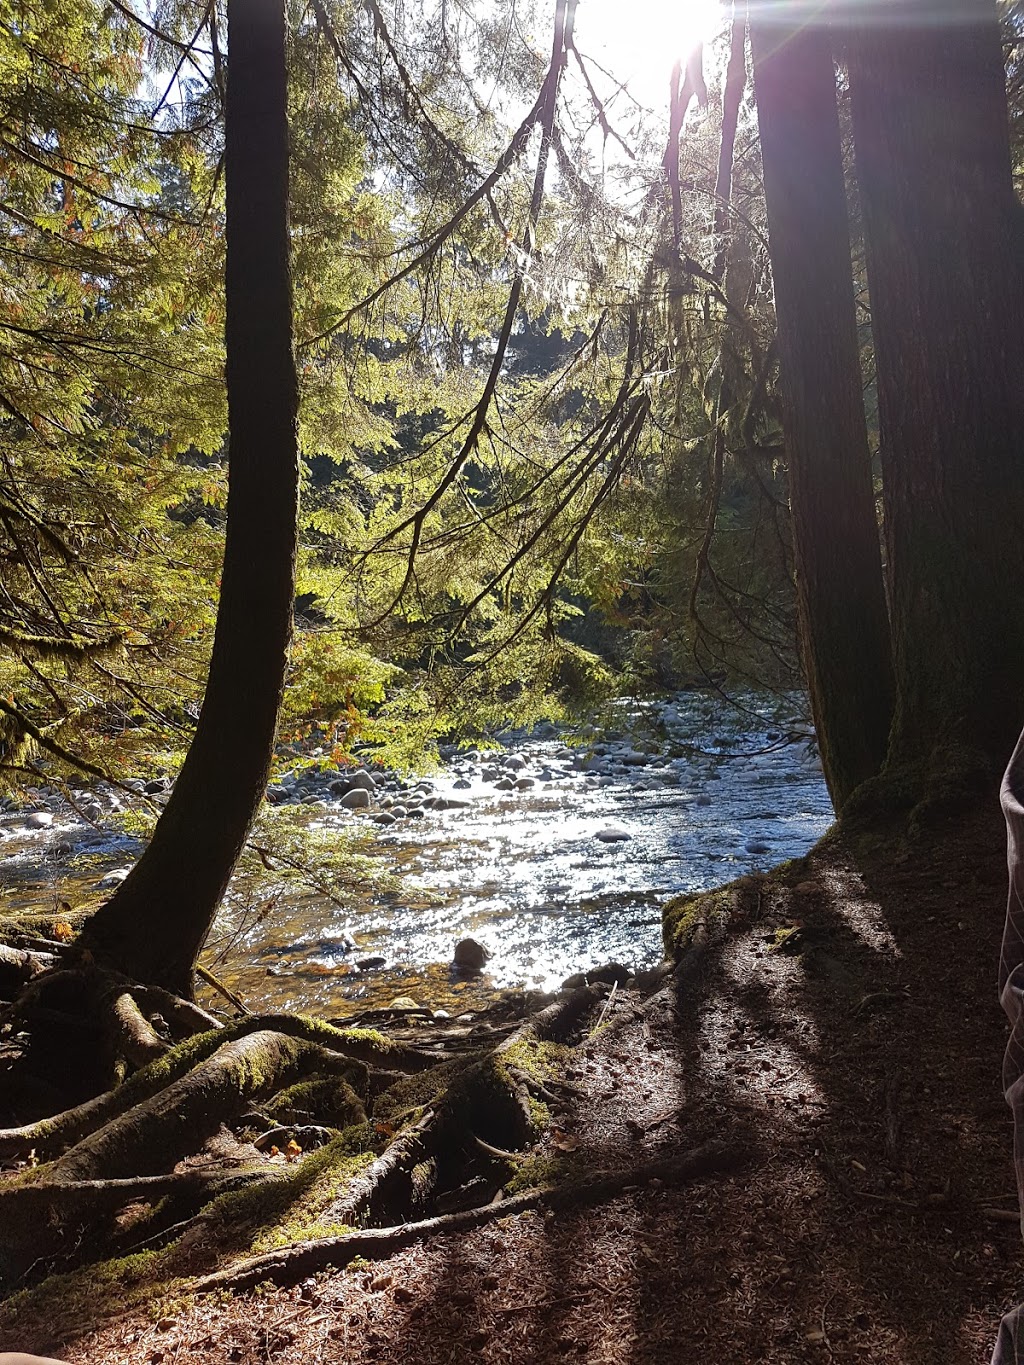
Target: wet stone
(471, 956)
(613, 834)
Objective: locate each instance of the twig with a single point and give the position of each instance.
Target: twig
(1000, 1215)
(206, 975)
(605, 1008)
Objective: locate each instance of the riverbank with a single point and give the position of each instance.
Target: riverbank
(555, 850)
(842, 1040)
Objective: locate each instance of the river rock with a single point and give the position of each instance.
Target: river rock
(514, 763)
(703, 800)
(370, 964)
(112, 878)
(505, 784)
(158, 784)
(461, 785)
(39, 819)
(384, 817)
(758, 846)
(278, 796)
(399, 812)
(357, 799)
(523, 784)
(611, 974)
(404, 1002)
(613, 834)
(470, 956)
(362, 780)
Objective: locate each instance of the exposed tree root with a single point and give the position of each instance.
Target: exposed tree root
(488, 1098)
(135, 1039)
(443, 1126)
(294, 1263)
(18, 965)
(174, 1123)
(49, 1136)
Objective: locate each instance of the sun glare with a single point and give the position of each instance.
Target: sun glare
(639, 40)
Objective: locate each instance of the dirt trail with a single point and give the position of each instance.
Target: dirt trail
(845, 1037)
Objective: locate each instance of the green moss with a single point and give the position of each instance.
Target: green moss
(536, 1058)
(541, 1169)
(682, 916)
(711, 911)
(540, 1115)
(495, 1085)
(329, 1100)
(400, 1101)
(792, 868)
(288, 1207)
(66, 1306)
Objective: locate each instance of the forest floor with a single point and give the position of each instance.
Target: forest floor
(842, 1038)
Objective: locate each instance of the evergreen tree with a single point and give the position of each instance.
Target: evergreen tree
(154, 925)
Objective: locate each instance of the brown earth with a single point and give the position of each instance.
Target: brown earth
(852, 1064)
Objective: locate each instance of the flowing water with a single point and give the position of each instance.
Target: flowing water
(562, 872)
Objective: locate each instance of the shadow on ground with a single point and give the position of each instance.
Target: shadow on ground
(845, 1036)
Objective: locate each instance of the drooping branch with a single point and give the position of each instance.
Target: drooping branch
(547, 103)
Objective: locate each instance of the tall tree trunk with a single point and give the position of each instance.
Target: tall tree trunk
(154, 925)
(840, 591)
(945, 257)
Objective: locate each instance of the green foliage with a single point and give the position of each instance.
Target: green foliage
(447, 583)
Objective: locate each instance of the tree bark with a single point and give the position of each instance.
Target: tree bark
(944, 256)
(154, 925)
(840, 590)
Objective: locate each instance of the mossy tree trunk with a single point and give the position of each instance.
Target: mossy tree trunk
(154, 925)
(840, 591)
(945, 260)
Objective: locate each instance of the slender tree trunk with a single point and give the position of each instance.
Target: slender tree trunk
(840, 591)
(944, 256)
(732, 98)
(155, 924)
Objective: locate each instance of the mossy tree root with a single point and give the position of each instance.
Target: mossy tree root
(489, 1098)
(120, 1146)
(153, 1135)
(148, 1139)
(20, 965)
(50, 1136)
(44, 1221)
(291, 1264)
(134, 1041)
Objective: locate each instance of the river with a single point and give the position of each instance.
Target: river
(562, 870)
